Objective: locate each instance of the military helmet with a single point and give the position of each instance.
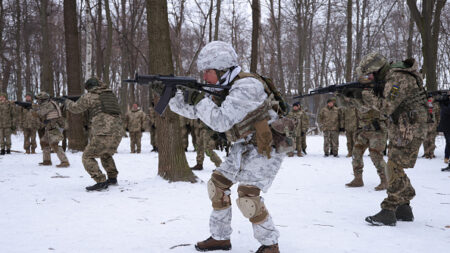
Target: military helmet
(371, 63)
(296, 104)
(29, 94)
(42, 95)
(217, 55)
(92, 82)
(3, 94)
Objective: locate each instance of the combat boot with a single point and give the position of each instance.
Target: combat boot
(63, 165)
(27, 150)
(211, 244)
(382, 185)
(299, 154)
(404, 213)
(2, 152)
(445, 160)
(268, 249)
(197, 167)
(97, 186)
(8, 151)
(112, 181)
(446, 169)
(290, 154)
(356, 182)
(384, 217)
(45, 163)
(33, 151)
(304, 151)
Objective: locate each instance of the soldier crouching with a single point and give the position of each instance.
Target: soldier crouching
(106, 131)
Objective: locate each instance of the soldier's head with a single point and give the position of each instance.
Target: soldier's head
(216, 58)
(3, 97)
(331, 102)
(135, 107)
(29, 97)
(42, 96)
(296, 106)
(92, 83)
(372, 65)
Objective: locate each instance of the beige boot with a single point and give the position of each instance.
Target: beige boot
(382, 185)
(445, 160)
(268, 249)
(213, 244)
(356, 182)
(63, 165)
(45, 163)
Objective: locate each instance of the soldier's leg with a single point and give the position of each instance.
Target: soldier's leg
(8, 133)
(200, 147)
(334, 142)
(2, 138)
(90, 164)
(252, 207)
(432, 141)
(298, 145)
(64, 141)
(350, 142)
(138, 141)
(109, 165)
(33, 140)
(359, 148)
(133, 142)
(46, 150)
(152, 137)
(110, 144)
(26, 139)
(376, 147)
(59, 152)
(219, 194)
(326, 142)
(210, 145)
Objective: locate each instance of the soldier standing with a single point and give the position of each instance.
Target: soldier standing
(152, 122)
(371, 134)
(135, 125)
(405, 104)
(330, 123)
(106, 131)
(297, 115)
(205, 144)
(7, 123)
(29, 125)
(305, 126)
(252, 165)
(50, 115)
(350, 126)
(434, 113)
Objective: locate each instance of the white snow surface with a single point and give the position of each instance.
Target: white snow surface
(308, 201)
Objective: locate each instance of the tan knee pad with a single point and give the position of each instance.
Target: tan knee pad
(219, 191)
(250, 204)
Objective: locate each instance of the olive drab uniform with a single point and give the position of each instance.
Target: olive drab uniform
(405, 104)
(434, 115)
(305, 126)
(301, 128)
(205, 144)
(106, 130)
(135, 123)
(29, 124)
(350, 125)
(50, 116)
(330, 122)
(7, 124)
(371, 134)
(184, 125)
(152, 124)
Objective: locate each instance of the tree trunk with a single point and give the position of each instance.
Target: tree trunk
(88, 59)
(46, 51)
(99, 37)
(108, 44)
(216, 25)
(18, 38)
(76, 134)
(172, 163)
(360, 31)
(256, 19)
(324, 47)
(348, 57)
(409, 47)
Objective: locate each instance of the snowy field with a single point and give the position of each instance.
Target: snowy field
(46, 209)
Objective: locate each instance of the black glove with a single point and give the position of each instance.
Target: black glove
(192, 97)
(60, 100)
(341, 129)
(142, 130)
(126, 129)
(13, 128)
(153, 126)
(376, 125)
(302, 134)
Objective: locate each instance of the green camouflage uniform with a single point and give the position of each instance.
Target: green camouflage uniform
(29, 124)
(50, 115)
(350, 125)
(329, 122)
(7, 123)
(152, 122)
(135, 123)
(184, 131)
(405, 103)
(433, 121)
(106, 132)
(205, 144)
(371, 134)
(300, 128)
(305, 126)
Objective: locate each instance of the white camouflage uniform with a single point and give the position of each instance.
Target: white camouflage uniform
(244, 164)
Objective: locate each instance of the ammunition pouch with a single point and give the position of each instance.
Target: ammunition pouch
(282, 132)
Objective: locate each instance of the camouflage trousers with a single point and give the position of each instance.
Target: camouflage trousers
(206, 145)
(29, 138)
(429, 143)
(49, 141)
(153, 137)
(103, 147)
(330, 142)
(5, 138)
(376, 142)
(184, 136)
(351, 139)
(135, 141)
(303, 141)
(298, 144)
(399, 189)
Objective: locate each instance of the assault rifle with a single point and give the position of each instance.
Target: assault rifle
(440, 95)
(348, 89)
(26, 105)
(169, 85)
(63, 98)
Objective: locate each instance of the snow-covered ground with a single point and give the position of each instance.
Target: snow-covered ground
(46, 209)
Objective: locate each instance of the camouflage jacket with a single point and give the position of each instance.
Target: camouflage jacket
(50, 115)
(350, 118)
(329, 119)
(99, 123)
(135, 120)
(369, 115)
(301, 123)
(405, 104)
(151, 116)
(28, 119)
(7, 115)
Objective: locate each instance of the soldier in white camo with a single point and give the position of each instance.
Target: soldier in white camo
(245, 165)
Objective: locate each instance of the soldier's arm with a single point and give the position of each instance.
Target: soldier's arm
(81, 105)
(395, 92)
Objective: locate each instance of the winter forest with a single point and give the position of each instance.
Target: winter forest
(301, 44)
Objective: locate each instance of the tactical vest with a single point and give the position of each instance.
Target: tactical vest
(108, 104)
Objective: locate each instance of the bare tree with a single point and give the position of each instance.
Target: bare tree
(348, 56)
(217, 19)
(46, 49)
(256, 20)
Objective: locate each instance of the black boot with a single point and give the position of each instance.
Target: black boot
(404, 213)
(304, 151)
(2, 152)
(97, 186)
(446, 169)
(384, 217)
(8, 151)
(112, 181)
(197, 167)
